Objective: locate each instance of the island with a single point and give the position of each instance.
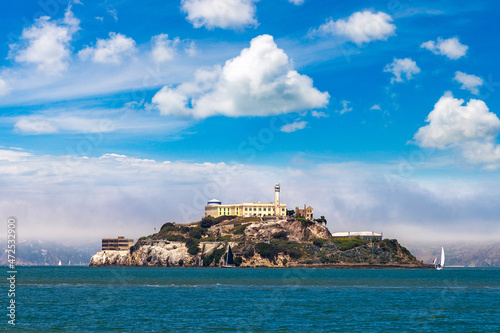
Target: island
(258, 242)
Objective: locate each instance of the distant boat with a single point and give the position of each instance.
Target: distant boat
(441, 264)
(60, 263)
(229, 258)
(69, 263)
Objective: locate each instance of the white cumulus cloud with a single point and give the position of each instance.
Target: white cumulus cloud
(225, 14)
(260, 81)
(292, 127)
(469, 82)
(451, 47)
(360, 27)
(470, 128)
(109, 51)
(452, 123)
(47, 43)
(163, 49)
(402, 67)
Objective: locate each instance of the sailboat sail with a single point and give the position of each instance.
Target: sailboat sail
(230, 258)
(442, 257)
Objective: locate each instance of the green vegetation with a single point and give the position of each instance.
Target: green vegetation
(197, 232)
(251, 219)
(305, 222)
(176, 238)
(271, 251)
(193, 246)
(319, 242)
(240, 230)
(214, 256)
(238, 261)
(321, 219)
(209, 221)
(282, 235)
(349, 243)
(135, 247)
(248, 252)
(181, 262)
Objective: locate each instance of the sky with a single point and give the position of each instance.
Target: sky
(118, 116)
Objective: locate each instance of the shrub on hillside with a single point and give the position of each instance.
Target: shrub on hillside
(319, 242)
(240, 230)
(192, 245)
(197, 232)
(238, 261)
(214, 256)
(176, 238)
(282, 235)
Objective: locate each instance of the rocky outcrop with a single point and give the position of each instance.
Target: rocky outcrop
(256, 243)
(160, 253)
(296, 231)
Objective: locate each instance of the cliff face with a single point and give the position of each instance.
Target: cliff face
(285, 243)
(296, 231)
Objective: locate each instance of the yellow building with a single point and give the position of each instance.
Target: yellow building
(215, 208)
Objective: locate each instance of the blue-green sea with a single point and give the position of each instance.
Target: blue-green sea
(104, 299)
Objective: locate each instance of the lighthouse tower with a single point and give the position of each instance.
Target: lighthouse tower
(277, 200)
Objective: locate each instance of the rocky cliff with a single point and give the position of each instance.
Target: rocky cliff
(255, 243)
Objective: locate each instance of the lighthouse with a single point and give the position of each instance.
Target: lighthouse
(277, 200)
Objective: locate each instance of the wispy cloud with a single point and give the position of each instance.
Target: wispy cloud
(469, 82)
(293, 127)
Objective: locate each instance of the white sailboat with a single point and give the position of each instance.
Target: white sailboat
(229, 258)
(441, 264)
(60, 263)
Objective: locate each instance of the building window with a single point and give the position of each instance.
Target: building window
(260, 209)
(246, 209)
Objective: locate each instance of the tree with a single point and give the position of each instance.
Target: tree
(290, 212)
(321, 219)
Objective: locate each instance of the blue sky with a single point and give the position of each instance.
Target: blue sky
(380, 114)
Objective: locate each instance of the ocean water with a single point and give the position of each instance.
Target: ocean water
(104, 299)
